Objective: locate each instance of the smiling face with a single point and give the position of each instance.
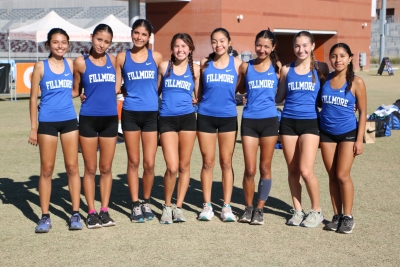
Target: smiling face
(58, 44)
(302, 47)
(101, 41)
(263, 47)
(140, 36)
(181, 50)
(220, 43)
(340, 59)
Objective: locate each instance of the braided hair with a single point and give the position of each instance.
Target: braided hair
(212, 55)
(313, 63)
(350, 69)
(189, 42)
(268, 34)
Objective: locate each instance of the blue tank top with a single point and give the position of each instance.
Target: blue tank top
(99, 85)
(337, 114)
(177, 94)
(301, 95)
(140, 82)
(261, 90)
(219, 86)
(56, 97)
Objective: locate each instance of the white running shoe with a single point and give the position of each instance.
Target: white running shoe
(226, 214)
(207, 213)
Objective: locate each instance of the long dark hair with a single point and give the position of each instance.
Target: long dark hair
(143, 23)
(350, 69)
(189, 42)
(52, 32)
(99, 28)
(313, 64)
(267, 34)
(212, 55)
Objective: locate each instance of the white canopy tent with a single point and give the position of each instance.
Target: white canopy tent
(121, 32)
(37, 31)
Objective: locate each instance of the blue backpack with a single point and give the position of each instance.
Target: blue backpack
(394, 120)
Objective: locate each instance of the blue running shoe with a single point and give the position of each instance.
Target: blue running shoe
(44, 225)
(75, 222)
(137, 215)
(146, 210)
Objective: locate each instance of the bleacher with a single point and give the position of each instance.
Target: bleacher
(22, 13)
(67, 12)
(100, 12)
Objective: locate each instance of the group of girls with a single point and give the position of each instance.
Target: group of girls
(303, 85)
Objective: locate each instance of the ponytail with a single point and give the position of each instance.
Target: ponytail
(190, 60)
(350, 76)
(171, 63)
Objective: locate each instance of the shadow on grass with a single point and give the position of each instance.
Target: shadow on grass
(21, 195)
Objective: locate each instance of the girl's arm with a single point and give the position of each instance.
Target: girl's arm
(241, 87)
(119, 64)
(162, 68)
(79, 69)
(361, 96)
(33, 109)
(197, 74)
(281, 93)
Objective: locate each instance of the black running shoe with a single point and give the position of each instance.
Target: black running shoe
(93, 221)
(106, 219)
(147, 212)
(258, 217)
(247, 214)
(346, 225)
(334, 224)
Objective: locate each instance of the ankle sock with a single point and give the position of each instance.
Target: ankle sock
(46, 215)
(146, 200)
(104, 209)
(92, 211)
(135, 204)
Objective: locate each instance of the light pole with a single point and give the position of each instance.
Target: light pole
(382, 24)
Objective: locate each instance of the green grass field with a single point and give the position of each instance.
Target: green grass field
(374, 242)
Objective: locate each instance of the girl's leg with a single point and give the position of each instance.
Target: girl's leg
(344, 162)
(207, 143)
(69, 142)
(308, 144)
(250, 147)
(226, 144)
(89, 153)
(186, 143)
(107, 151)
(329, 156)
(290, 148)
(267, 147)
(149, 146)
(47, 149)
(132, 140)
(170, 147)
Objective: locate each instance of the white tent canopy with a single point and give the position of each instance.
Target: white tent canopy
(121, 32)
(37, 31)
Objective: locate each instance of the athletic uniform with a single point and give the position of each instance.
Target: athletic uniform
(99, 115)
(217, 109)
(338, 122)
(260, 117)
(56, 113)
(300, 113)
(140, 108)
(177, 111)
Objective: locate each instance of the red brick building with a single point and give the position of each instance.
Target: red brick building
(330, 21)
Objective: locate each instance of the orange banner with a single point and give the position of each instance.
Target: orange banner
(24, 78)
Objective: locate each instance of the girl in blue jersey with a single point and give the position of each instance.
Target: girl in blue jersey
(98, 121)
(138, 68)
(299, 86)
(178, 79)
(56, 115)
(217, 117)
(341, 136)
(260, 127)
